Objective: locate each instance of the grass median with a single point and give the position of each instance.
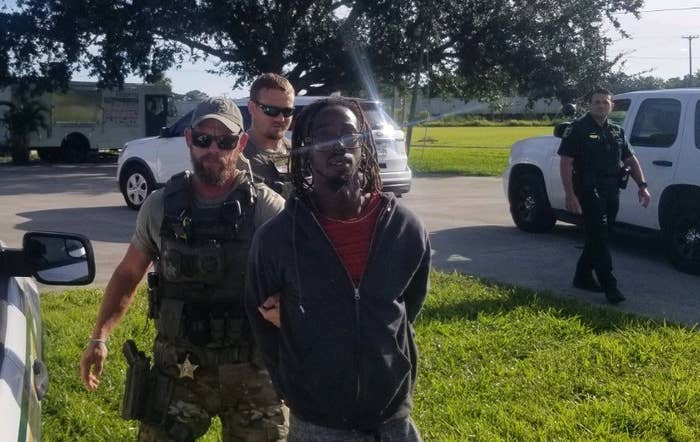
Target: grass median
(472, 151)
(496, 363)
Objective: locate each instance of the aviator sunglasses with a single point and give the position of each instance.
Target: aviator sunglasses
(225, 142)
(273, 111)
(345, 141)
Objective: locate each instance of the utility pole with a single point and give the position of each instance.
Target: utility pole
(690, 39)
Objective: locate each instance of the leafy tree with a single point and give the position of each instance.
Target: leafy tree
(195, 95)
(162, 80)
(35, 57)
(24, 117)
(677, 82)
(472, 48)
(620, 82)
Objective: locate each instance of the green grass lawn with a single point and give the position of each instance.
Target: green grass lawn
(475, 151)
(496, 363)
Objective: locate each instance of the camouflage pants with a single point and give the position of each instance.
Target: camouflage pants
(241, 394)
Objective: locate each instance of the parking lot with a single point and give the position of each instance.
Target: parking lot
(471, 232)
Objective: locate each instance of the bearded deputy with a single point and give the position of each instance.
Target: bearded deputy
(196, 232)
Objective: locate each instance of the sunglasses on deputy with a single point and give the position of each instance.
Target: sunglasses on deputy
(273, 111)
(345, 141)
(225, 142)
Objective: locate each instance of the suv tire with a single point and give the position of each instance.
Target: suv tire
(682, 234)
(529, 205)
(136, 184)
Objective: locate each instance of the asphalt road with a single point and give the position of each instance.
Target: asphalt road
(471, 232)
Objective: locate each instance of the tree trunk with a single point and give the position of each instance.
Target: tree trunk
(19, 150)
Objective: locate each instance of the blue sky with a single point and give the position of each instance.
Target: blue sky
(657, 44)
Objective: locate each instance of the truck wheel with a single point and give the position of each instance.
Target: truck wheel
(136, 184)
(529, 205)
(75, 148)
(682, 234)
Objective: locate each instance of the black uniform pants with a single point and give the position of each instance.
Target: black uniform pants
(599, 206)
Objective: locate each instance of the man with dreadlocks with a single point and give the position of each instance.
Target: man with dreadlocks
(348, 267)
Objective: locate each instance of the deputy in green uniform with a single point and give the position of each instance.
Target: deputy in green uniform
(593, 152)
(196, 232)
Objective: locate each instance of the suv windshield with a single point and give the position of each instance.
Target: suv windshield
(378, 119)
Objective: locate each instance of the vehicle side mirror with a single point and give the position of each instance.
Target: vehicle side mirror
(560, 128)
(59, 258)
(165, 132)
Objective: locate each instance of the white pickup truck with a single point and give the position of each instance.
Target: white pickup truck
(663, 129)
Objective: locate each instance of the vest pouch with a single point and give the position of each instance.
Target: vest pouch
(161, 388)
(170, 317)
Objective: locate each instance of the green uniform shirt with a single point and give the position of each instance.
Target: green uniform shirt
(595, 146)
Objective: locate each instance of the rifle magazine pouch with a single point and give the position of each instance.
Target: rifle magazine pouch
(169, 318)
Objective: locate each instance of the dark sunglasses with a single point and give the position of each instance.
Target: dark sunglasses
(273, 111)
(346, 141)
(225, 142)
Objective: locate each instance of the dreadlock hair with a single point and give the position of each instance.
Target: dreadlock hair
(300, 155)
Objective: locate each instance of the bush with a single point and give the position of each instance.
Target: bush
(485, 121)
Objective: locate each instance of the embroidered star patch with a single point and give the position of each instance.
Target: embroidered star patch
(187, 368)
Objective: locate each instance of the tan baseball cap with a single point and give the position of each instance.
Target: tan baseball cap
(221, 109)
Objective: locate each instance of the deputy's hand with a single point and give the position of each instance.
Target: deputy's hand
(572, 204)
(92, 363)
(270, 309)
(644, 196)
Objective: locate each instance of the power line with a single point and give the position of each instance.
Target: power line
(690, 8)
(655, 58)
(671, 9)
(690, 39)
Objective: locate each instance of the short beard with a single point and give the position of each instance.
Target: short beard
(274, 134)
(215, 177)
(338, 182)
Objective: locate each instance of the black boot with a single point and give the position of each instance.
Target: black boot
(614, 296)
(587, 283)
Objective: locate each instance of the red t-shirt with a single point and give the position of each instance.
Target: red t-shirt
(353, 237)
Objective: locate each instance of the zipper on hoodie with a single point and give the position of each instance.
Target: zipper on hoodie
(358, 344)
(356, 291)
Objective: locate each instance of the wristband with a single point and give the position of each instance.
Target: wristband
(643, 185)
(97, 341)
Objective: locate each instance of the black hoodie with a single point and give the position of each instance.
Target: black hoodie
(344, 356)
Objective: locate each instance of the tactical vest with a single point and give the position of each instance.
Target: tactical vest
(201, 268)
(601, 156)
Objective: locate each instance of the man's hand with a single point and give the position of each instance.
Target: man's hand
(572, 204)
(270, 309)
(644, 196)
(92, 363)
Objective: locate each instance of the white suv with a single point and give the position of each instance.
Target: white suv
(146, 164)
(663, 129)
(52, 258)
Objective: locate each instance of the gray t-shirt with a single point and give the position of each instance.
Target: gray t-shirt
(270, 166)
(148, 223)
